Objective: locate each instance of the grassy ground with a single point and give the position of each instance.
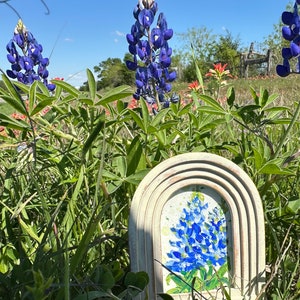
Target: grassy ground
(287, 88)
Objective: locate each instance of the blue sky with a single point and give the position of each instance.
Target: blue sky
(79, 34)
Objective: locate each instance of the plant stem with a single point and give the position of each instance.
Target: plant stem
(287, 132)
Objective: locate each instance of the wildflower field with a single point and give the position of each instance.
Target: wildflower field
(70, 162)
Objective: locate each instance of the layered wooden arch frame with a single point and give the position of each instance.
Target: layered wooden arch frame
(246, 235)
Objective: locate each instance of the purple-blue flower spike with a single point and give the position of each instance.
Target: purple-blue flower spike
(291, 33)
(151, 55)
(23, 65)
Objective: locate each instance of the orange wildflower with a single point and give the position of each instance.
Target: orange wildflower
(194, 85)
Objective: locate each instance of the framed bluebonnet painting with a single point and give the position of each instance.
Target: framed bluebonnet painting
(197, 226)
(194, 224)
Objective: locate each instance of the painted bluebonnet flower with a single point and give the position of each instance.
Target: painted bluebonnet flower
(291, 33)
(151, 55)
(200, 238)
(23, 65)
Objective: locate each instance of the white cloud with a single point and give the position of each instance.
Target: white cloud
(119, 33)
(76, 79)
(69, 40)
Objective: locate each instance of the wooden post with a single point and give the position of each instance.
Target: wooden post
(248, 59)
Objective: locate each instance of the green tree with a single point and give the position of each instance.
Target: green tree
(128, 75)
(111, 73)
(227, 50)
(275, 41)
(208, 48)
(202, 40)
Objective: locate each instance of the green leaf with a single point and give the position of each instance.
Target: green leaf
(146, 117)
(57, 92)
(41, 105)
(9, 122)
(138, 279)
(138, 120)
(93, 135)
(134, 155)
(254, 96)
(273, 168)
(294, 206)
(222, 271)
(28, 229)
(168, 124)
(16, 103)
(21, 87)
(67, 87)
(161, 136)
(116, 269)
(86, 101)
(121, 165)
(282, 121)
(248, 108)
(32, 96)
(185, 110)
(106, 278)
(264, 96)
(210, 110)
(157, 120)
(275, 111)
(258, 158)
(92, 84)
(227, 296)
(198, 72)
(115, 94)
(212, 102)
(165, 296)
(93, 295)
(11, 87)
(110, 175)
(230, 96)
(137, 177)
(270, 99)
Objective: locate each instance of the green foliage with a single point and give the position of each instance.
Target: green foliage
(207, 48)
(227, 51)
(275, 42)
(198, 280)
(70, 167)
(113, 72)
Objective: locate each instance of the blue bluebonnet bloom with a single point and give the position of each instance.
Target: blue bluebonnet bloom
(151, 55)
(200, 238)
(23, 65)
(291, 33)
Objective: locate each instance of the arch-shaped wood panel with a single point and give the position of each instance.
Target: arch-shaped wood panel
(247, 234)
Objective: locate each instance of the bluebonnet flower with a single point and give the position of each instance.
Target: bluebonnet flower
(200, 238)
(291, 33)
(23, 65)
(151, 55)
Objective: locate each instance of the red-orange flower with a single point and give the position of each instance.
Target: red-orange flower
(219, 73)
(194, 85)
(132, 104)
(18, 116)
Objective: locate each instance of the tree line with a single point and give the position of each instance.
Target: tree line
(200, 44)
